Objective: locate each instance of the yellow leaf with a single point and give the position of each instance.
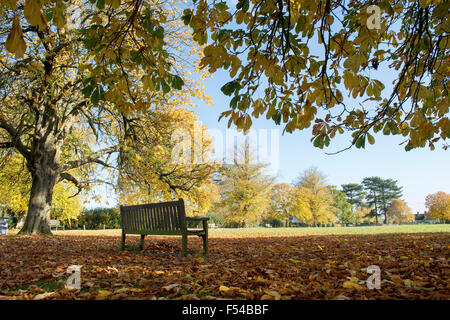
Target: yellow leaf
(274, 294)
(122, 290)
(103, 293)
(115, 4)
(42, 295)
(352, 285)
(424, 3)
(15, 42)
(329, 20)
(261, 280)
(32, 12)
(223, 288)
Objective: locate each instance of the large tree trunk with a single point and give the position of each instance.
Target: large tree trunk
(44, 177)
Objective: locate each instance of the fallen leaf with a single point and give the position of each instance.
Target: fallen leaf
(170, 287)
(103, 293)
(43, 295)
(274, 294)
(352, 285)
(223, 288)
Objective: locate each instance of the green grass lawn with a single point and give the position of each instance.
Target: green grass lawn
(331, 230)
(267, 232)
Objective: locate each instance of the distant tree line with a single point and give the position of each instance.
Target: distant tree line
(99, 218)
(248, 197)
(243, 195)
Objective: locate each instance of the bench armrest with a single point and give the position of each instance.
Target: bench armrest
(197, 218)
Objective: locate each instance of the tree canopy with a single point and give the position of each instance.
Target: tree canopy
(294, 61)
(244, 188)
(355, 194)
(75, 97)
(380, 194)
(314, 203)
(438, 206)
(399, 212)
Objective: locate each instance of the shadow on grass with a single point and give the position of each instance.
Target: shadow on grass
(46, 284)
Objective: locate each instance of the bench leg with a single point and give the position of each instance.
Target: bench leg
(184, 245)
(123, 241)
(205, 244)
(141, 246)
(205, 237)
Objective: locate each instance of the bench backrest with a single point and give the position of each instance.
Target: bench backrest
(164, 217)
(55, 223)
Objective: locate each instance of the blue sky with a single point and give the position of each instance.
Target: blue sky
(419, 171)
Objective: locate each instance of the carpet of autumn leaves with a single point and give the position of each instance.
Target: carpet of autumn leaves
(413, 266)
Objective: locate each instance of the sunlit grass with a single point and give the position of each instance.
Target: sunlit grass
(267, 232)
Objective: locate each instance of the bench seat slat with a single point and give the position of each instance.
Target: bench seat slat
(173, 214)
(175, 218)
(158, 210)
(167, 219)
(147, 215)
(150, 216)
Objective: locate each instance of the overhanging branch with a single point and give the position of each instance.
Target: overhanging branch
(15, 142)
(93, 158)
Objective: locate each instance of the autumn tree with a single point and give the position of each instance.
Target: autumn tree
(304, 57)
(15, 186)
(244, 188)
(311, 178)
(116, 64)
(355, 194)
(399, 212)
(364, 216)
(438, 206)
(343, 208)
(168, 159)
(314, 202)
(282, 199)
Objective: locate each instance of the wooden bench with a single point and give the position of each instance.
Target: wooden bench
(165, 218)
(55, 224)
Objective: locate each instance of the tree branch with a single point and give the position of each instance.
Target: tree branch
(68, 177)
(93, 158)
(15, 138)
